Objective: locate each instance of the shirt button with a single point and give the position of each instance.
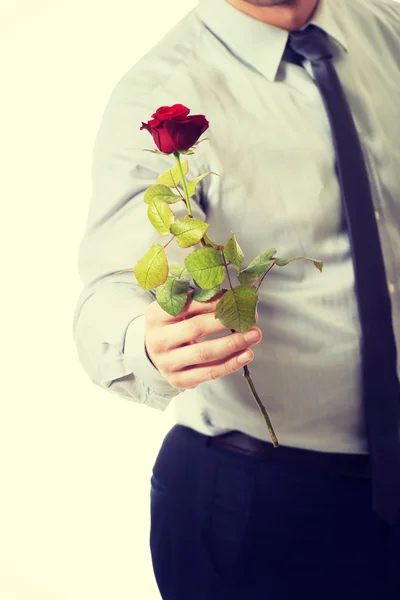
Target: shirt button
(377, 215)
(391, 287)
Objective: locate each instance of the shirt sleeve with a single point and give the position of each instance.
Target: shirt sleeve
(108, 322)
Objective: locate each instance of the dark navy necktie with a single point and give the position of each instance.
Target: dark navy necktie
(380, 383)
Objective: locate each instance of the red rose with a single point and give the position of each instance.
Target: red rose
(173, 130)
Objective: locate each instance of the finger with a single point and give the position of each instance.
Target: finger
(191, 377)
(191, 308)
(209, 351)
(194, 328)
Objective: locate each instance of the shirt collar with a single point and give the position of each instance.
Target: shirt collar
(259, 44)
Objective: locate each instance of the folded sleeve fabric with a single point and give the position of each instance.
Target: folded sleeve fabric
(108, 322)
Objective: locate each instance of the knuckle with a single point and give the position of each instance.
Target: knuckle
(196, 328)
(156, 344)
(235, 343)
(203, 353)
(212, 374)
(163, 365)
(230, 366)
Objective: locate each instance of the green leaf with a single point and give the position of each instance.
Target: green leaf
(203, 295)
(192, 184)
(172, 177)
(206, 266)
(160, 216)
(233, 253)
(152, 151)
(251, 278)
(186, 152)
(162, 192)
(152, 269)
(179, 271)
(256, 269)
(282, 262)
(261, 260)
(318, 264)
(199, 141)
(237, 308)
(188, 231)
(172, 295)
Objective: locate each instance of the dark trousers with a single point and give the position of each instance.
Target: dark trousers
(231, 526)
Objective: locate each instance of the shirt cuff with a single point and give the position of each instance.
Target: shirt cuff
(136, 358)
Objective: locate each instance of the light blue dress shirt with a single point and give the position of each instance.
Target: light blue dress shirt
(270, 143)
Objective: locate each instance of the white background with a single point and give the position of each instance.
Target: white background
(75, 460)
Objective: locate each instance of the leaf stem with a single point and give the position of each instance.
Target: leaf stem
(262, 278)
(173, 237)
(206, 241)
(179, 165)
(261, 406)
(226, 269)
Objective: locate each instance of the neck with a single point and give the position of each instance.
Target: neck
(285, 14)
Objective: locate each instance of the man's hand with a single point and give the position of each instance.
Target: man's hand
(175, 346)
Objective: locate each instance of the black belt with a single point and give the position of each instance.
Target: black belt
(350, 465)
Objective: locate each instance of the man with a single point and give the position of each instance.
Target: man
(231, 518)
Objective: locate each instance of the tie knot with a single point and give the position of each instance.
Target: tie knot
(311, 43)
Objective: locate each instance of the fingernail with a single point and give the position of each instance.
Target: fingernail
(251, 336)
(243, 358)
